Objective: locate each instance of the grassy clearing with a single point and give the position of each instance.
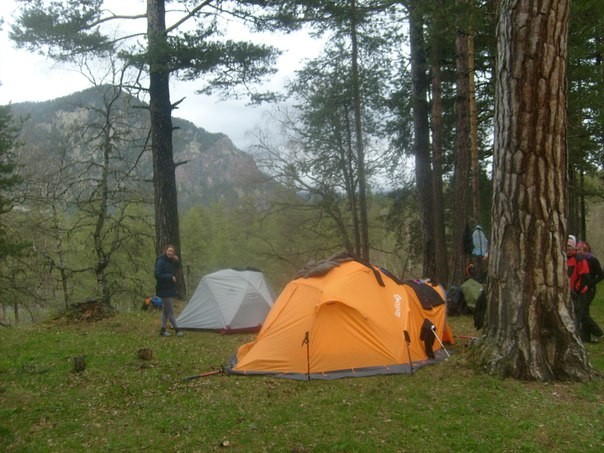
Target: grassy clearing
(122, 403)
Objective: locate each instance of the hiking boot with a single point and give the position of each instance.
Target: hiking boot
(164, 333)
(179, 333)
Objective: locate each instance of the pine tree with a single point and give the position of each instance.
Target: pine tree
(73, 30)
(529, 331)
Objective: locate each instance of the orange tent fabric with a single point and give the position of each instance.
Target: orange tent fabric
(350, 321)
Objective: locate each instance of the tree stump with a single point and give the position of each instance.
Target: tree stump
(145, 353)
(91, 310)
(79, 363)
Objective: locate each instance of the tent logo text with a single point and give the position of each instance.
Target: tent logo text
(397, 305)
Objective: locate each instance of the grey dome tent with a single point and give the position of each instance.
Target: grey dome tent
(228, 301)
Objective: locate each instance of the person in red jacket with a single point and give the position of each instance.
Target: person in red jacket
(578, 274)
(591, 331)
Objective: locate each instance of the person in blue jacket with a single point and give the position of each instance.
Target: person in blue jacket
(166, 267)
(480, 252)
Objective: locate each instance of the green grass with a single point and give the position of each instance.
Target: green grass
(122, 403)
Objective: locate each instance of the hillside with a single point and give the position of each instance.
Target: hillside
(210, 167)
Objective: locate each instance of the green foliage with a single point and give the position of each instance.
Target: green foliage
(278, 242)
(129, 273)
(61, 29)
(8, 142)
(586, 92)
(72, 29)
(207, 241)
(9, 180)
(83, 211)
(58, 269)
(122, 403)
(281, 240)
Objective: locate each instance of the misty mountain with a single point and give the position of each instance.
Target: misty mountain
(210, 168)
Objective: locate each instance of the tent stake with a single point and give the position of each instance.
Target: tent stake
(209, 373)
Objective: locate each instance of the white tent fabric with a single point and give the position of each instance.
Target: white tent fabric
(228, 300)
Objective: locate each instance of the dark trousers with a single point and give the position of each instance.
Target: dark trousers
(587, 327)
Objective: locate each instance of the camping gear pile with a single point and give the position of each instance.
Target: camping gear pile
(342, 318)
(152, 303)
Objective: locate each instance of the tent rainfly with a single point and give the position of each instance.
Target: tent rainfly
(228, 301)
(352, 319)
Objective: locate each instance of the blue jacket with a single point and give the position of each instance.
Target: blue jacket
(480, 241)
(165, 269)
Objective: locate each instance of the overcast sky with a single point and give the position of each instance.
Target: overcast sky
(28, 77)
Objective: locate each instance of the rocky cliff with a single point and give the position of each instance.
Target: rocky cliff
(210, 167)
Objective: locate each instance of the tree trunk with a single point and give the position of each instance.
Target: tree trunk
(573, 216)
(102, 258)
(164, 177)
(421, 127)
(364, 222)
(475, 158)
(529, 331)
(462, 164)
(583, 212)
(441, 270)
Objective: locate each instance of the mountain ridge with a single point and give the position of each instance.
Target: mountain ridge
(210, 168)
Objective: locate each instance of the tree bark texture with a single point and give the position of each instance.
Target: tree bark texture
(461, 186)
(441, 269)
(475, 158)
(164, 177)
(421, 129)
(360, 147)
(529, 331)
(441, 265)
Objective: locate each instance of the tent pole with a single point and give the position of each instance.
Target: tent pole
(307, 342)
(408, 342)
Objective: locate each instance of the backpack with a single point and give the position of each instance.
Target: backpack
(480, 311)
(456, 302)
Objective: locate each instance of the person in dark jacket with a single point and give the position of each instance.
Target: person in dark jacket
(590, 330)
(166, 267)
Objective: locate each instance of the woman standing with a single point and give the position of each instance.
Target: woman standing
(166, 267)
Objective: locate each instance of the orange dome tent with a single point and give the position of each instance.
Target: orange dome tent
(351, 320)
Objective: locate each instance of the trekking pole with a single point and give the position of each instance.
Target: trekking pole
(433, 327)
(408, 342)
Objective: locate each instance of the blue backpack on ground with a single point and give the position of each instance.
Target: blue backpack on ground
(156, 301)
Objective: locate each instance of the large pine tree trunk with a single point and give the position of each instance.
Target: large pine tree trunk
(475, 158)
(441, 268)
(421, 127)
(164, 177)
(461, 188)
(360, 147)
(529, 331)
